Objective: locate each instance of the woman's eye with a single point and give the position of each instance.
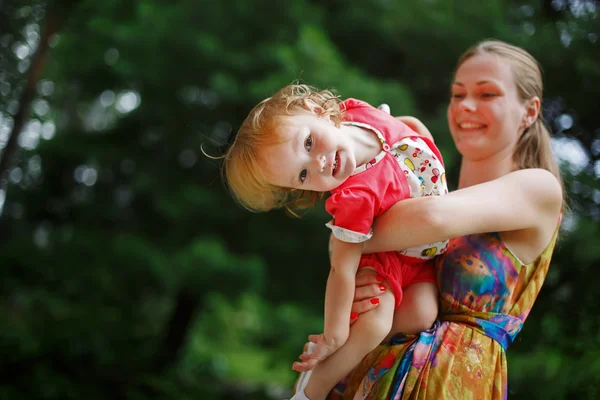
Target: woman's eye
(489, 95)
(303, 175)
(308, 143)
(457, 95)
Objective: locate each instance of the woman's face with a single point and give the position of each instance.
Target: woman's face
(485, 114)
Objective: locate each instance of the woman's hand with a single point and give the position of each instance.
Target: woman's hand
(369, 285)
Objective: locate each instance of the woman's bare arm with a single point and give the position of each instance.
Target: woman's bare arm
(525, 199)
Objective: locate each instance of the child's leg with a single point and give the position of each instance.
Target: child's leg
(365, 335)
(418, 310)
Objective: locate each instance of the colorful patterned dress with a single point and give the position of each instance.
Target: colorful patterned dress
(486, 294)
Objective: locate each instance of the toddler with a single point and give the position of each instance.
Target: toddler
(301, 143)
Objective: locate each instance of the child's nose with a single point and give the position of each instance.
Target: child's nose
(320, 162)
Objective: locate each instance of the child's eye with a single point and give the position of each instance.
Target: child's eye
(308, 143)
(303, 175)
(489, 95)
(457, 95)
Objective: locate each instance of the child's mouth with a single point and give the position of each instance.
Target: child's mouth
(336, 164)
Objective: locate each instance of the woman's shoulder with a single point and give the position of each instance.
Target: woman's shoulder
(543, 187)
(544, 193)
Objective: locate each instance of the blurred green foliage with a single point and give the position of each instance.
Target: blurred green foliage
(129, 273)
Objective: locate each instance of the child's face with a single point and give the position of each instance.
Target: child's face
(313, 154)
(485, 113)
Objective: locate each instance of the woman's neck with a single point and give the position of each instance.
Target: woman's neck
(473, 172)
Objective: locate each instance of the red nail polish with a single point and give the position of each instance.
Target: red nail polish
(353, 316)
(382, 288)
(374, 301)
(379, 278)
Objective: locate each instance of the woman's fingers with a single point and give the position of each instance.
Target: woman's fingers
(367, 276)
(368, 284)
(363, 306)
(369, 291)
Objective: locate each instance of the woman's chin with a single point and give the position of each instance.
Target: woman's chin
(472, 149)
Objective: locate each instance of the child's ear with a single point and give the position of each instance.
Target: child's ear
(316, 109)
(313, 107)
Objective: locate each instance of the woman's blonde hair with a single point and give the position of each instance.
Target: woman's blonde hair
(534, 148)
(243, 167)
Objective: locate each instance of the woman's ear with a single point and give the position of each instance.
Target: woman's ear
(532, 111)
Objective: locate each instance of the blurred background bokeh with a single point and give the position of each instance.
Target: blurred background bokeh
(127, 270)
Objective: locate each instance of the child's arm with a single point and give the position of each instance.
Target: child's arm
(417, 126)
(412, 122)
(338, 302)
(340, 291)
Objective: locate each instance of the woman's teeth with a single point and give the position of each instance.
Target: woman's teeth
(469, 125)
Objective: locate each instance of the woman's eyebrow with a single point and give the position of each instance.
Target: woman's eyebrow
(483, 82)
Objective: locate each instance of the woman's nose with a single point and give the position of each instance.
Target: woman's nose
(468, 104)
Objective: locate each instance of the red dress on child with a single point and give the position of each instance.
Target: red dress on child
(408, 166)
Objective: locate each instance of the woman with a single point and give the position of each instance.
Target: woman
(504, 220)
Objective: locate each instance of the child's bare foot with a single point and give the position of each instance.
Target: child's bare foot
(321, 351)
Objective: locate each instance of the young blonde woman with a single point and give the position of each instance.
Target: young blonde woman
(502, 223)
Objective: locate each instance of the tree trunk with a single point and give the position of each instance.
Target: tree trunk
(56, 15)
(186, 306)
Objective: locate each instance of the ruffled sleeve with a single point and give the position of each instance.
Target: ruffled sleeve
(353, 212)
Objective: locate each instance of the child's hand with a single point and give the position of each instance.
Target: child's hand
(416, 126)
(322, 349)
(412, 122)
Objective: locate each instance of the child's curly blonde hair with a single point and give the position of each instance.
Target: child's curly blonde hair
(243, 166)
